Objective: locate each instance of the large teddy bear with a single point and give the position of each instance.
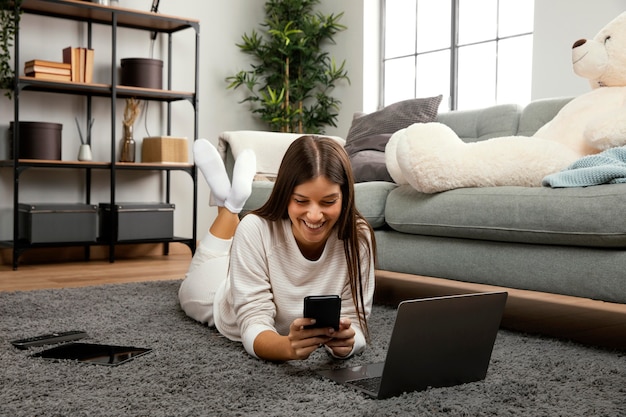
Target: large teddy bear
(432, 158)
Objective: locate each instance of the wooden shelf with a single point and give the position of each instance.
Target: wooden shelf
(95, 13)
(153, 165)
(46, 163)
(102, 90)
(114, 17)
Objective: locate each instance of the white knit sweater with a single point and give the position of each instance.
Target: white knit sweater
(269, 278)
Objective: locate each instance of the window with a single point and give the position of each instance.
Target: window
(475, 52)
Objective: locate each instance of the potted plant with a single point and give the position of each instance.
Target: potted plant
(9, 22)
(290, 84)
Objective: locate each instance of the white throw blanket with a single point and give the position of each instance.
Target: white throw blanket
(269, 147)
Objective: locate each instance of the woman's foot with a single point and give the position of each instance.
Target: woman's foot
(243, 175)
(210, 163)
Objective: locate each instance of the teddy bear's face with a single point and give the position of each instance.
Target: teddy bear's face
(602, 60)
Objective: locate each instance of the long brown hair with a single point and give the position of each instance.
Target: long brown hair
(307, 158)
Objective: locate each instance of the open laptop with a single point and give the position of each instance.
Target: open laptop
(436, 342)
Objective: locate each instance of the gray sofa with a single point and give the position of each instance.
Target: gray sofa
(568, 244)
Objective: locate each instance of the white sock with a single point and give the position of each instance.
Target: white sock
(243, 175)
(210, 163)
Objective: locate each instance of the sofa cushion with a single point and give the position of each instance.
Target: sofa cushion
(370, 199)
(261, 191)
(481, 124)
(570, 216)
(370, 165)
(367, 156)
(538, 113)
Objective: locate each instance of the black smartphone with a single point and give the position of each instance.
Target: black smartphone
(325, 309)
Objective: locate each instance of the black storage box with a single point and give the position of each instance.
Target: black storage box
(137, 221)
(142, 72)
(50, 223)
(38, 140)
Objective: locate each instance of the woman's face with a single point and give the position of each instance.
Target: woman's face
(314, 209)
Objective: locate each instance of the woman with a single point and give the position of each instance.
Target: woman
(249, 278)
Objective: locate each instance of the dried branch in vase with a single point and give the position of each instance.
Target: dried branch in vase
(131, 112)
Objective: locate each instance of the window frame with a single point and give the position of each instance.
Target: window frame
(452, 100)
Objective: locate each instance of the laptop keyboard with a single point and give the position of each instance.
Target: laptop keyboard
(369, 384)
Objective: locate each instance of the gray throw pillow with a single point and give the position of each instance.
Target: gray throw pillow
(370, 133)
(368, 143)
(369, 165)
(394, 117)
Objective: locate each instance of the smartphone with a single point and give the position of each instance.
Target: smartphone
(325, 309)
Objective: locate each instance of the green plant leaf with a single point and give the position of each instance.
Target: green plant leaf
(10, 15)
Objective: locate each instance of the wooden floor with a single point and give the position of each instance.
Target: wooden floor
(94, 272)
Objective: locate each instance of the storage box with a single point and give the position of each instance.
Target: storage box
(137, 221)
(38, 140)
(49, 223)
(142, 72)
(164, 149)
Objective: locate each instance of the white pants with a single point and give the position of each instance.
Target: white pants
(207, 272)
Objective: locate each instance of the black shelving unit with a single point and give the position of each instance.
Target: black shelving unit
(113, 17)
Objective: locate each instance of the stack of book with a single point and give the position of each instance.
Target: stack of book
(81, 62)
(48, 70)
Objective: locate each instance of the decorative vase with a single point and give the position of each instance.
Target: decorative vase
(84, 152)
(128, 145)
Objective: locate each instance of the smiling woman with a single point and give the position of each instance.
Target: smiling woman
(249, 278)
(314, 211)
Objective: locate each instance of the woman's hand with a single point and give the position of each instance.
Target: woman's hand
(305, 341)
(342, 341)
(301, 342)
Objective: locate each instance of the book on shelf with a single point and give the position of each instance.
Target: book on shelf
(51, 77)
(71, 56)
(81, 62)
(48, 64)
(30, 67)
(89, 53)
(46, 70)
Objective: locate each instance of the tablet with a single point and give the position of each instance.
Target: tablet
(93, 353)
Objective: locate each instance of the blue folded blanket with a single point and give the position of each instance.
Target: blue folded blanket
(607, 167)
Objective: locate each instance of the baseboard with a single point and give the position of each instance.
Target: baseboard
(578, 319)
(69, 254)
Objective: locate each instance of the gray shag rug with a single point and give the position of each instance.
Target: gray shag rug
(193, 371)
